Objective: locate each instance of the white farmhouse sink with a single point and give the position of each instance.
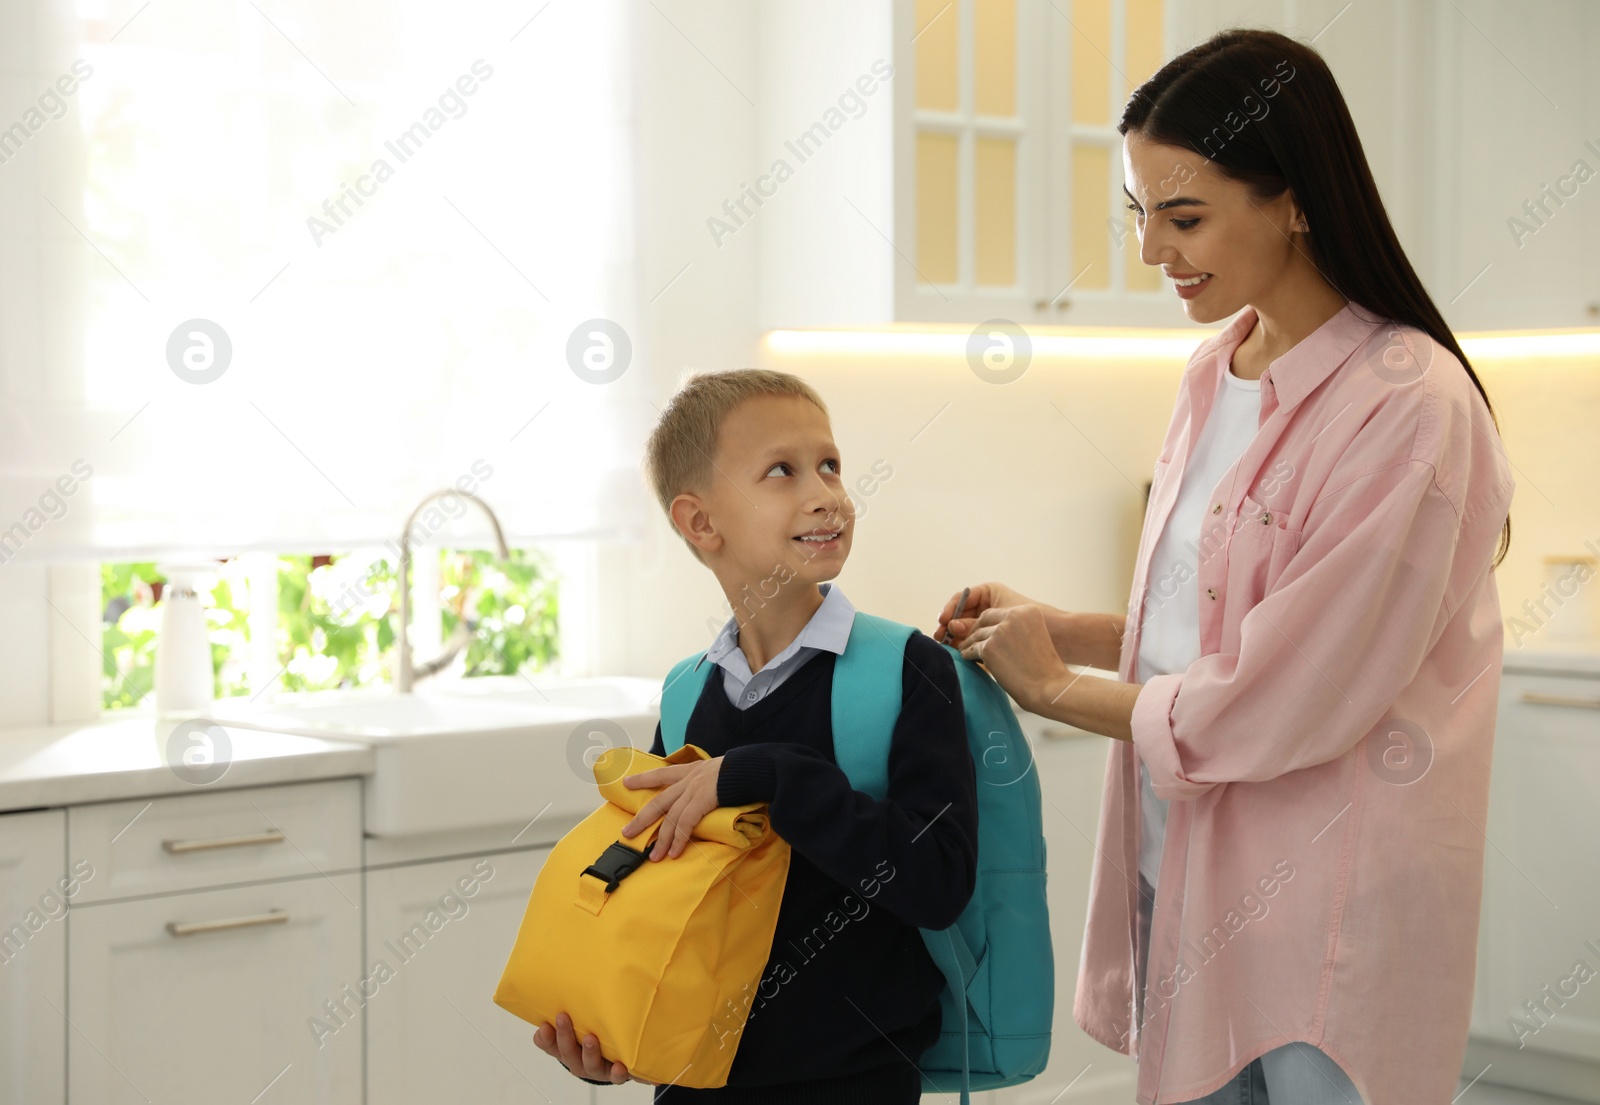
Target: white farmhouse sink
(481, 752)
(394, 716)
(618, 694)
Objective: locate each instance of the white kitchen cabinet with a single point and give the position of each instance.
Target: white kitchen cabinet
(930, 200)
(1516, 96)
(435, 1033)
(33, 1003)
(1466, 111)
(947, 201)
(214, 995)
(950, 163)
(1541, 890)
(1071, 765)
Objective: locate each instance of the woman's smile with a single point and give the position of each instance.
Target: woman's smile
(1191, 285)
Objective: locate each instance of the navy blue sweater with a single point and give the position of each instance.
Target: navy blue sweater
(849, 999)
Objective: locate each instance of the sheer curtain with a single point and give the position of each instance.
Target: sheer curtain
(271, 271)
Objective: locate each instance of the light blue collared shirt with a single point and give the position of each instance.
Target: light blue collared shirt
(828, 629)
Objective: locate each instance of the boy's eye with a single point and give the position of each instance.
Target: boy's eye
(787, 469)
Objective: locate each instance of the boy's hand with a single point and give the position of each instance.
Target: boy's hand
(690, 794)
(586, 1062)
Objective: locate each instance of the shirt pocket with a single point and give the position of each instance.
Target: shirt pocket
(1163, 466)
(1260, 548)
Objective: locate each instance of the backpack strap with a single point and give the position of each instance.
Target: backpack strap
(678, 696)
(866, 704)
(949, 951)
(866, 700)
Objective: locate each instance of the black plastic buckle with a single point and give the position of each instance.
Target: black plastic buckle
(616, 863)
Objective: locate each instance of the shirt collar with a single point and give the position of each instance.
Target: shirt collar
(1297, 373)
(828, 629)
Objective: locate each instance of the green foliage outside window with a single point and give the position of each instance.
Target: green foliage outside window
(336, 618)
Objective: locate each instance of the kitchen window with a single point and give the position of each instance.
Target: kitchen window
(286, 624)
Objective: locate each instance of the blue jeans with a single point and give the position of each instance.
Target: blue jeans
(1296, 1073)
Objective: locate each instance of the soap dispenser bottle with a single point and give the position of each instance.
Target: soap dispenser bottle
(183, 654)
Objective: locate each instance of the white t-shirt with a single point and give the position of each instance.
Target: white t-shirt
(1169, 638)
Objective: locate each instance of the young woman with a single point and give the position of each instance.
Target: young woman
(1285, 896)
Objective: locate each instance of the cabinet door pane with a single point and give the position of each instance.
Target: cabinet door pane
(937, 83)
(1142, 53)
(995, 211)
(1091, 216)
(1091, 69)
(937, 193)
(222, 1014)
(995, 57)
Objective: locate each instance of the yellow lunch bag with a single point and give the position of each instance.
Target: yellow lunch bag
(659, 960)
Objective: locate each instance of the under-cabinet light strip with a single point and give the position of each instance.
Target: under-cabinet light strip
(1134, 344)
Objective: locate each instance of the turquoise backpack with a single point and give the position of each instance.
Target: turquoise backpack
(998, 952)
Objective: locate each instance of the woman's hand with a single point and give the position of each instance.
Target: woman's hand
(690, 794)
(586, 1061)
(985, 596)
(1014, 644)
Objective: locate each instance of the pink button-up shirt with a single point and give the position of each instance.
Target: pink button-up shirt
(1327, 756)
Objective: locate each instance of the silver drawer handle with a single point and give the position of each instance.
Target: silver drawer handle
(1561, 700)
(181, 847)
(192, 928)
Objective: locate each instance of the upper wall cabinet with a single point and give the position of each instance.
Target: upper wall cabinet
(1008, 168)
(957, 160)
(1513, 187)
(982, 179)
(1481, 122)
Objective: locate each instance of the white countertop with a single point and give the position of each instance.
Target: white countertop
(120, 757)
(123, 757)
(1576, 658)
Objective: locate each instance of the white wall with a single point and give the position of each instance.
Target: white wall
(697, 91)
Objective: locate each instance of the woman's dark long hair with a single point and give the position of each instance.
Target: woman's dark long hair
(1304, 140)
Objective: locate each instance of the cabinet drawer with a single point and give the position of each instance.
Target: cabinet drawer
(246, 993)
(194, 841)
(1551, 705)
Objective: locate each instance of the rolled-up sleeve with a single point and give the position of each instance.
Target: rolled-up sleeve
(1324, 654)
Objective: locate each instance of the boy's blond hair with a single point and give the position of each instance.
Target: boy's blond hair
(677, 456)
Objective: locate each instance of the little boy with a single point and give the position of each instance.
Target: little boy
(745, 466)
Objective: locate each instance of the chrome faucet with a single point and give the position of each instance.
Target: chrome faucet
(409, 671)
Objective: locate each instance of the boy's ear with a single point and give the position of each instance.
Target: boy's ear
(689, 514)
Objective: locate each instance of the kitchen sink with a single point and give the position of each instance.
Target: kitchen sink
(618, 694)
(478, 752)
